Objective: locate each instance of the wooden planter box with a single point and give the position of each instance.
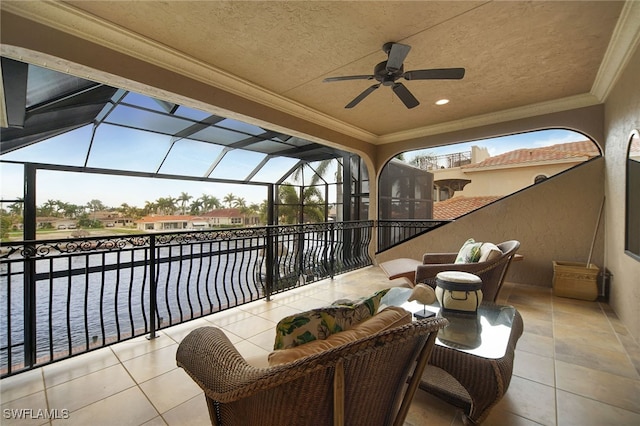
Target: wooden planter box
(575, 280)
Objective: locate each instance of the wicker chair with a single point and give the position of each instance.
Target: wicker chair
(363, 382)
(491, 272)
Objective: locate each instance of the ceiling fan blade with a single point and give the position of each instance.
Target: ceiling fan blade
(362, 95)
(435, 74)
(405, 95)
(397, 55)
(348, 77)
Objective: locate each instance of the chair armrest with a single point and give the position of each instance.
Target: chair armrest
(428, 258)
(424, 272)
(207, 355)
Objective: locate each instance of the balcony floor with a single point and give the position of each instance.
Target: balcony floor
(575, 365)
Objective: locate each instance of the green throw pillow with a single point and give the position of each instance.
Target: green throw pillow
(470, 252)
(320, 323)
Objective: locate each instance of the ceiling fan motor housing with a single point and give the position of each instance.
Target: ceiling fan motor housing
(385, 76)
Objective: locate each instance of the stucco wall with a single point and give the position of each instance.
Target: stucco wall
(554, 220)
(505, 181)
(622, 115)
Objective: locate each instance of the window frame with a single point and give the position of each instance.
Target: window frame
(635, 214)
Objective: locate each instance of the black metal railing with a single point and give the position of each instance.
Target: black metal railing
(60, 298)
(394, 232)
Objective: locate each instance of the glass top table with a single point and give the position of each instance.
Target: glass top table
(472, 361)
(484, 333)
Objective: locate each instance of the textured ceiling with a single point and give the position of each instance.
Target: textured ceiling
(515, 53)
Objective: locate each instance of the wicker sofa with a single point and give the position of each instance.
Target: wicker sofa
(361, 381)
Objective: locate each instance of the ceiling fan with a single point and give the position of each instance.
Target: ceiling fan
(387, 72)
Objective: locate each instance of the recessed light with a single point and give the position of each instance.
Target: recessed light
(442, 102)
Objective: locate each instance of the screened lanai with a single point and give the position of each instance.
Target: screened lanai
(66, 123)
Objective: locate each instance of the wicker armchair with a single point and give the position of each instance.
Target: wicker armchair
(363, 382)
(491, 272)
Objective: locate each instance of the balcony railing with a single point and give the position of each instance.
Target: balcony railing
(394, 232)
(61, 298)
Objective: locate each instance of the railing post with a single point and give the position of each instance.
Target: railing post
(153, 285)
(332, 244)
(269, 262)
(29, 283)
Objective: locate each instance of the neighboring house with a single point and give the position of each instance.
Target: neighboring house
(171, 223)
(112, 219)
(212, 219)
(54, 223)
(231, 217)
(459, 190)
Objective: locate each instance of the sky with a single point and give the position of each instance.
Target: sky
(113, 191)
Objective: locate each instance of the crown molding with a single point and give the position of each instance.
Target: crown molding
(80, 24)
(558, 105)
(70, 20)
(624, 41)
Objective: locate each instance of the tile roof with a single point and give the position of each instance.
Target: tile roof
(563, 151)
(223, 213)
(457, 206)
(167, 218)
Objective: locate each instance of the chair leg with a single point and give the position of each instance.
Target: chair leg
(338, 394)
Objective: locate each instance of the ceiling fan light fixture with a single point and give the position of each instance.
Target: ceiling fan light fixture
(442, 101)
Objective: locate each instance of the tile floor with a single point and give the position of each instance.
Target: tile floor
(575, 365)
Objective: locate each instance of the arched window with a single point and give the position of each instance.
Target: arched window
(539, 178)
(632, 229)
(470, 175)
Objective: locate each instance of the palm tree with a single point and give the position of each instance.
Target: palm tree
(239, 202)
(196, 206)
(167, 205)
(209, 202)
(150, 207)
(17, 208)
(184, 199)
(229, 199)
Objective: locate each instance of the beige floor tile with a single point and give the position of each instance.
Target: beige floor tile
(230, 316)
(279, 312)
(253, 354)
(575, 410)
(259, 306)
(140, 346)
(21, 385)
(426, 409)
(170, 389)
(191, 413)
(250, 327)
(613, 362)
(537, 326)
(530, 400)
(89, 388)
(28, 410)
(307, 303)
(178, 332)
(534, 343)
(499, 417)
(581, 322)
(78, 366)
(576, 306)
(127, 408)
(605, 339)
(152, 364)
(608, 388)
(534, 367)
(265, 340)
(156, 421)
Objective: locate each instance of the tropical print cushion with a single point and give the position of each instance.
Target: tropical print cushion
(320, 323)
(470, 252)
